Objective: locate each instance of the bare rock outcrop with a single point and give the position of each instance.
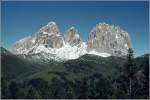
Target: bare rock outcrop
(103, 39)
(21, 46)
(110, 39)
(49, 36)
(72, 36)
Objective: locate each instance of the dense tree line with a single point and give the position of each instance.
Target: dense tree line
(132, 82)
(95, 86)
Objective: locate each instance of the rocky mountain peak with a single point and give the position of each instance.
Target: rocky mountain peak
(72, 36)
(50, 28)
(51, 23)
(109, 38)
(104, 40)
(23, 45)
(49, 36)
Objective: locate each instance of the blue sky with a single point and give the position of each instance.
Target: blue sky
(21, 19)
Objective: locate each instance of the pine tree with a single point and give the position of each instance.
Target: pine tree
(130, 70)
(56, 89)
(70, 93)
(33, 93)
(5, 93)
(13, 89)
(84, 90)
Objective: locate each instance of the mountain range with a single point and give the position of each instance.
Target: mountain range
(104, 40)
(51, 66)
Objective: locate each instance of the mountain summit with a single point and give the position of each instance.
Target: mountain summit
(109, 38)
(49, 36)
(72, 37)
(104, 40)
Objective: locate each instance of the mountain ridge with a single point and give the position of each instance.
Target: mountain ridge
(104, 40)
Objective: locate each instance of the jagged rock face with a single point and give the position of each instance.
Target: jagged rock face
(51, 28)
(54, 42)
(49, 35)
(72, 37)
(22, 45)
(104, 40)
(110, 39)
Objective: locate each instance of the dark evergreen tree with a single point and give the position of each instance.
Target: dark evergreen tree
(146, 78)
(92, 88)
(70, 93)
(118, 89)
(13, 89)
(141, 80)
(84, 89)
(33, 93)
(5, 93)
(129, 72)
(56, 89)
(103, 88)
(41, 86)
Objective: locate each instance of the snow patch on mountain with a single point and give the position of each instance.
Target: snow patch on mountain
(45, 33)
(65, 53)
(77, 36)
(99, 54)
(51, 23)
(23, 39)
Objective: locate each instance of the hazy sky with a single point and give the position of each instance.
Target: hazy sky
(21, 19)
